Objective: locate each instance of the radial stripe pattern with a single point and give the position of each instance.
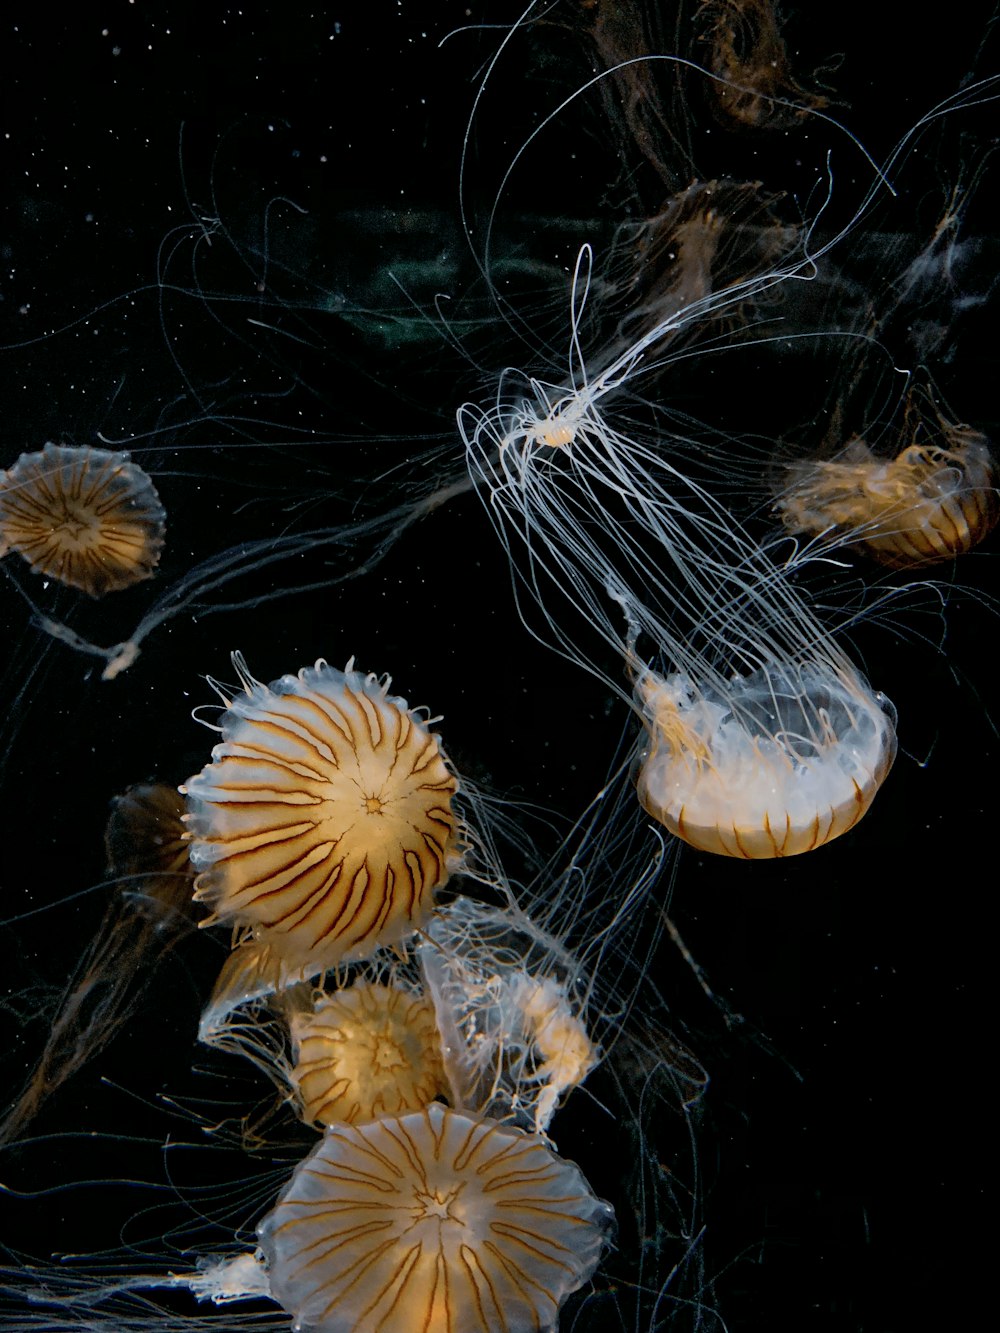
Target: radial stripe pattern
(90, 518)
(365, 1051)
(432, 1223)
(324, 820)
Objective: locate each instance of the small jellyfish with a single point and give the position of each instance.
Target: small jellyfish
(366, 1051)
(90, 518)
(511, 1004)
(932, 502)
(144, 840)
(324, 822)
(432, 1221)
(149, 913)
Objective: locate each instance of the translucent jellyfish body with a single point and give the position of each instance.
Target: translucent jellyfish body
(930, 503)
(781, 762)
(364, 1052)
(90, 518)
(754, 87)
(324, 821)
(150, 911)
(511, 1009)
(762, 739)
(432, 1221)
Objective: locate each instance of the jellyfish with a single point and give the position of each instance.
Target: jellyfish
(934, 501)
(365, 1052)
(149, 913)
(512, 1005)
(897, 476)
(775, 762)
(88, 517)
(436, 1221)
(502, 1009)
(754, 86)
(323, 824)
(542, 1007)
(533, 981)
(761, 738)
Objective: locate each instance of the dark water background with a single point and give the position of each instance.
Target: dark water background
(202, 207)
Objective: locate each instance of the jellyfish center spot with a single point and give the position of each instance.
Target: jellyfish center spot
(77, 523)
(437, 1204)
(386, 1053)
(364, 806)
(554, 432)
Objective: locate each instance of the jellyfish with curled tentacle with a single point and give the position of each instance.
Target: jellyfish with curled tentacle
(88, 517)
(323, 825)
(435, 1221)
(762, 739)
(533, 987)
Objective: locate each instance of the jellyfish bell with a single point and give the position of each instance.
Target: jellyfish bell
(90, 518)
(365, 1051)
(324, 821)
(932, 502)
(782, 761)
(435, 1221)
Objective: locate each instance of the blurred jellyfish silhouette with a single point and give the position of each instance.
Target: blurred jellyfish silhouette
(932, 502)
(754, 87)
(149, 882)
(90, 518)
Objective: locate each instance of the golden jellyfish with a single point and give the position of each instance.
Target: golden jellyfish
(366, 1051)
(88, 517)
(932, 502)
(432, 1221)
(324, 822)
(502, 1009)
(762, 739)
